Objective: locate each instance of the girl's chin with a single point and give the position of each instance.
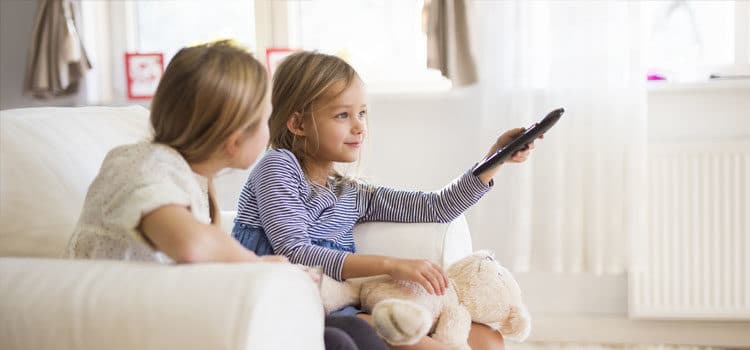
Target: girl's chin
(343, 157)
(347, 160)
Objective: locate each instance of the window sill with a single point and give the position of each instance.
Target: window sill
(411, 88)
(421, 82)
(698, 86)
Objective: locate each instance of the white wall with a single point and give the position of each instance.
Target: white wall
(700, 112)
(422, 141)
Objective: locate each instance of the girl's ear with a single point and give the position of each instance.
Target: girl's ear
(233, 145)
(295, 124)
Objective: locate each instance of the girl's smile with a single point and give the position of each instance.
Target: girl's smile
(340, 126)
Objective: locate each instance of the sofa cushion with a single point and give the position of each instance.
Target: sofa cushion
(48, 158)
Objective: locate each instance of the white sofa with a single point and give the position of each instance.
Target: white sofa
(48, 157)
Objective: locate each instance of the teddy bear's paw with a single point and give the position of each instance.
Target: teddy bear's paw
(518, 324)
(401, 322)
(337, 295)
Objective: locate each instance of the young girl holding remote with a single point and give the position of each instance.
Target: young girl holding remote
(295, 204)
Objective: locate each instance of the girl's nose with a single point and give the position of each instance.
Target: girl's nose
(358, 126)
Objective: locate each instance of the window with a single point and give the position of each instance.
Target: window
(168, 25)
(692, 40)
(383, 40)
(112, 28)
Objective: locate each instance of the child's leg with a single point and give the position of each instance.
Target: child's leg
(482, 337)
(426, 343)
(359, 330)
(336, 339)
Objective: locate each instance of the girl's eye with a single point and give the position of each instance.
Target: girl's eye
(363, 114)
(343, 115)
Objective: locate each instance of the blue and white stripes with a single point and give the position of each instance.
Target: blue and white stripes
(294, 213)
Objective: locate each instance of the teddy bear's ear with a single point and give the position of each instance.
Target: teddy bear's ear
(487, 254)
(517, 325)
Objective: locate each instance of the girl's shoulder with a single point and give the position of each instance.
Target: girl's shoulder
(135, 160)
(278, 162)
(146, 152)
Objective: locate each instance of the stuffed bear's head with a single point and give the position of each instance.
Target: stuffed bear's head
(490, 294)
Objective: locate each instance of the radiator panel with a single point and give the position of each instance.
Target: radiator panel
(693, 263)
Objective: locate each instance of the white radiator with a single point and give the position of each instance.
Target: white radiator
(694, 263)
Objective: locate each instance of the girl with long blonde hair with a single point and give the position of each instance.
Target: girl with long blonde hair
(154, 200)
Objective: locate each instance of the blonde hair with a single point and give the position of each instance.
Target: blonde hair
(207, 92)
(304, 82)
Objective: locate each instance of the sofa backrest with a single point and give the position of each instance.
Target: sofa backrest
(48, 158)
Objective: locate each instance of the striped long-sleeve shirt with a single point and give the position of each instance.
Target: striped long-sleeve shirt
(294, 212)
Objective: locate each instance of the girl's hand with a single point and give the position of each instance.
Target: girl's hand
(518, 157)
(426, 273)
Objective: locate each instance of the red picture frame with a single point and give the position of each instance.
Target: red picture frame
(142, 73)
(274, 56)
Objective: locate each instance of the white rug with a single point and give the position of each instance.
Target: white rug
(570, 346)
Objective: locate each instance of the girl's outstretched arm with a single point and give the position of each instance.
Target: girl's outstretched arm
(173, 230)
(386, 204)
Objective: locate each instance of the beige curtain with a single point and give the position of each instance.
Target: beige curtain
(448, 41)
(57, 59)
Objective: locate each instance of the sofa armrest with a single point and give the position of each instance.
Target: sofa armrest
(442, 243)
(227, 220)
(84, 304)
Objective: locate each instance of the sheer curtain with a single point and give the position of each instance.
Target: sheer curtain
(574, 205)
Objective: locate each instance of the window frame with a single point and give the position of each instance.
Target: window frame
(742, 33)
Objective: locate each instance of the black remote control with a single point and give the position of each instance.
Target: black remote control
(519, 142)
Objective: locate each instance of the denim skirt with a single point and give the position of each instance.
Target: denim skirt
(254, 238)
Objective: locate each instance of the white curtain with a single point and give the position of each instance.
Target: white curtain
(574, 205)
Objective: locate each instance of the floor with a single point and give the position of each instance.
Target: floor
(561, 346)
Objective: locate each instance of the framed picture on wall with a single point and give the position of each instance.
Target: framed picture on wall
(143, 72)
(274, 56)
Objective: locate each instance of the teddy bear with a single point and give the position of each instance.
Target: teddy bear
(480, 290)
